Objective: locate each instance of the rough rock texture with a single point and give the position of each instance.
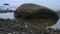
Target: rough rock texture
(36, 13)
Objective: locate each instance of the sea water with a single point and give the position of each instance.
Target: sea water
(9, 15)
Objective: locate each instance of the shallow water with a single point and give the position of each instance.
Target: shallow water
(9, 15)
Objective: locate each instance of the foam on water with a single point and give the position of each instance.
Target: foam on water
(9, 15)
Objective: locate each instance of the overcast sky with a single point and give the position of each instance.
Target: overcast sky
(53, 4)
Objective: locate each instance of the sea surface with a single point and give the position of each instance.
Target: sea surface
(9, 15)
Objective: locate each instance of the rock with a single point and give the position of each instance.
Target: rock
(31, 11)
(34, 11)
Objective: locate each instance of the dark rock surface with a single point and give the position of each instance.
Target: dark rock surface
(35, 12)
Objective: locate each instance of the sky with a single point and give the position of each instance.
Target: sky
(52, 4)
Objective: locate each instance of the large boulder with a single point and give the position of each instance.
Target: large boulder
(26, 10)
(34, 11)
